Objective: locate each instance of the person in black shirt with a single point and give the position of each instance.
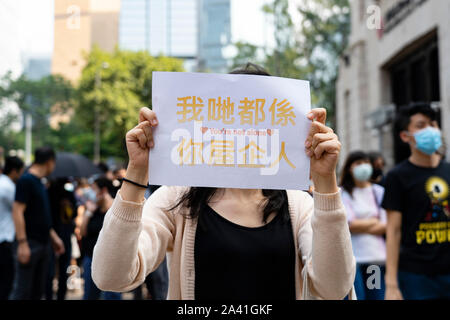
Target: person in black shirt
(64, 211)
(417, 201)
(34, 232)
(90, 229)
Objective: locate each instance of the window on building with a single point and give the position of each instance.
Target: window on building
(415, 78)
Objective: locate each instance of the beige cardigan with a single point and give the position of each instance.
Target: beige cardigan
(136, 237)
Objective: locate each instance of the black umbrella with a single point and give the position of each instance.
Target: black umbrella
(73, 165)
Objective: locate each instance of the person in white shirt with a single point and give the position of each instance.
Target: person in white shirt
(12, 171)
(367, 223)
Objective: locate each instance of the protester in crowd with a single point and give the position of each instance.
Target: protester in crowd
(33, 226)
(11, 173)
(90, 229)
(82, 194)
(119, 173)
(229, 255)
(64, 210)
(377, 161)
(367, 223)
(107, 172)
(417, 202)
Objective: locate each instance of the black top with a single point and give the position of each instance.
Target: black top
(37, 215)
(63, 208)
(94, 226)
(422, 196)
(237, 262)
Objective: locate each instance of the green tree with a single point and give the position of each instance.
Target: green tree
(312, 52)
(43, 98)
(325, 30)
(284, 59)
(245, 52)
(118, 89)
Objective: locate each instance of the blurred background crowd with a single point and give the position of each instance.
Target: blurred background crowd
(74, 74)
(51, 215)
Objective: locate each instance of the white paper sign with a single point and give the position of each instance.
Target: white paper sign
(230, 131)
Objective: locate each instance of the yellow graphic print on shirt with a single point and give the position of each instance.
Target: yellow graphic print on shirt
(437, 190)
(438, 231)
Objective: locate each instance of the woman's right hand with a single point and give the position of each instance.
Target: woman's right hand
(139, 140)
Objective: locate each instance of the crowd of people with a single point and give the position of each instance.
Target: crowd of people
(398, 223)
(49, 227)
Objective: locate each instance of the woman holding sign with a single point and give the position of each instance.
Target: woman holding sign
(229, 243)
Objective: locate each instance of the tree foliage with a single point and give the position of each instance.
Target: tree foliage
(310, 51)
(118, 89)
(50, 95)
(117, 84)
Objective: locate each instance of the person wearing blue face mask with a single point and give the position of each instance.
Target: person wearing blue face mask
(367, 224)
(417, 200)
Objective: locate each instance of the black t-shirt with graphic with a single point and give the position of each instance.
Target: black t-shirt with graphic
(422, 196)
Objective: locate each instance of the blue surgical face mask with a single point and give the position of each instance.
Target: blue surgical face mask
(428, 140)
(362, 172)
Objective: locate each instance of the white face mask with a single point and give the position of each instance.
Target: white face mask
(69, 187)
(363, 172)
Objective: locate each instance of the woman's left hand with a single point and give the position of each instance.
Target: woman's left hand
(323, 147)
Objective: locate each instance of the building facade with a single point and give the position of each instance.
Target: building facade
(166, 27)
(79, 25)
(397, 54)
(214, 34)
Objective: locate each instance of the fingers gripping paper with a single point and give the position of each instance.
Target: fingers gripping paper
(233, 131)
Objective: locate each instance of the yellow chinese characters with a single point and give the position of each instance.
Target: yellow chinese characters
(282, 113)
(221, 109)
(222, 153)
(255, 154)
(283, 156)
(190, 153)
(191, 107)
(251, 111)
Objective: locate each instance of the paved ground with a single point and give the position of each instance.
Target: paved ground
(76, 292)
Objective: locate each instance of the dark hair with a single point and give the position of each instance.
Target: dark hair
(374, 155)
(12, 163)
(252, 69)
(347, 182)
(44, 154)
(403, 117)
(104, 182)
(197, 198)
(103, 167)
